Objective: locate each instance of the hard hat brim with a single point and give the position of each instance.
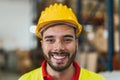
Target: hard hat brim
(44, 25)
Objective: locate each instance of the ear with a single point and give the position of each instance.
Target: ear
(41, 41)
(76, 43)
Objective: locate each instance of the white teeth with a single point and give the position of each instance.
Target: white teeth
(59, 57)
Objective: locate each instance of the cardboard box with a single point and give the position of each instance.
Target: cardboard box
(88, 60)
(24, 63)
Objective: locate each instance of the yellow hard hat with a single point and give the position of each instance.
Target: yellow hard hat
(57, 13)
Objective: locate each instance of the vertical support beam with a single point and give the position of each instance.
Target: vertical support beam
(79, 15)
(79, 10)
(110, 33)
(119, 31)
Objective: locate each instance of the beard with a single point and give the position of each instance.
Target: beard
(60, 68)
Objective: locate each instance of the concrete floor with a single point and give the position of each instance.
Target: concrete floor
(114, 75)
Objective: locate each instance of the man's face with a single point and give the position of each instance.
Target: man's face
(59, 46)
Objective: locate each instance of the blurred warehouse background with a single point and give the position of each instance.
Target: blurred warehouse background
(99, 44)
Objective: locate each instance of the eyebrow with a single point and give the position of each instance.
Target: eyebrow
(49, 36)
(68, 36)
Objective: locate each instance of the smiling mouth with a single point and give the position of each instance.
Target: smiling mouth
(59, 56)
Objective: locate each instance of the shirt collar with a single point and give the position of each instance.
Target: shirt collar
(48, 77)
(77, 71)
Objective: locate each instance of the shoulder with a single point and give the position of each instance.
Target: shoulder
(88, 75)
(31, 75)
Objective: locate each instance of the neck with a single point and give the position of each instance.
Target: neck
(63, 75)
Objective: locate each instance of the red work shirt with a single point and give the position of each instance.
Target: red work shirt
(48, 77)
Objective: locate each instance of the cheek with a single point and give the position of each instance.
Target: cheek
(46, 48)
(71, 48)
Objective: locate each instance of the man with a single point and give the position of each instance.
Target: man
(58, 29)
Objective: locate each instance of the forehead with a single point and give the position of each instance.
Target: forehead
(59, 30)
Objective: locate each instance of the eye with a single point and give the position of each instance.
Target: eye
(67, 40)
(50, 40)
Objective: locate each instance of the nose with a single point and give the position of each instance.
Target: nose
(59, 46)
